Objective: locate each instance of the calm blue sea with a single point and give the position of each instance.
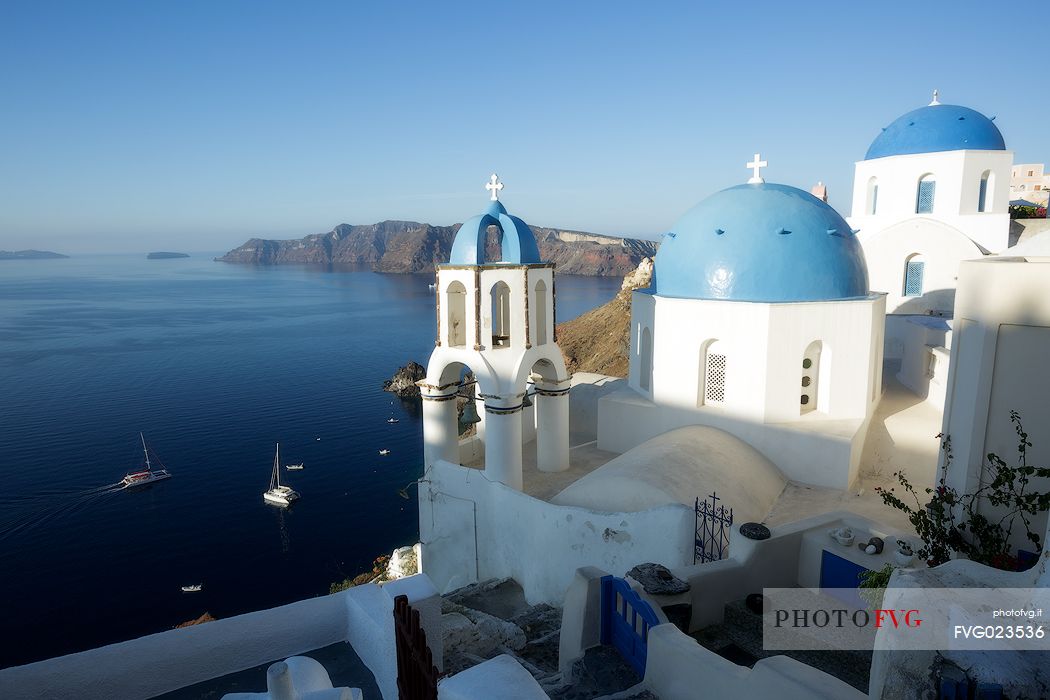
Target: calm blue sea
(214, 363)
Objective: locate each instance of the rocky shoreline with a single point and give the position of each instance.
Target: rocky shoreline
(403, 383)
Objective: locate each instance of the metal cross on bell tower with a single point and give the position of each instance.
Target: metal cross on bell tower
(494, 186)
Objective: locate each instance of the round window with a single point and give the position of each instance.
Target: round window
(805, 399)
(805, 381)
(807, 363)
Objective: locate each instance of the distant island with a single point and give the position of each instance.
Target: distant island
(408, 246)
(30, 255)
(161, 255)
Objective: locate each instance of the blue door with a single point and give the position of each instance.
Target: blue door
(840, 574)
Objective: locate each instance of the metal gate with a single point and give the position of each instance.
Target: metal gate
(626, 620)
(417, 676)
(713, 525)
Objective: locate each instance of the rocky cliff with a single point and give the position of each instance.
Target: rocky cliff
(599, 340)
(407, 246)
(403, 383)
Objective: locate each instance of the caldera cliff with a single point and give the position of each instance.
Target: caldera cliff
(599, 340)
(407, 246)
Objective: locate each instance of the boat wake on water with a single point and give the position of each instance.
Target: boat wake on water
(24, 514)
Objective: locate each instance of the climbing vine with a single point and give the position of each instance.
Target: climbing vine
(951, 523)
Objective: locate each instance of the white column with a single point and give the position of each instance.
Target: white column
(440, 424)
(552, 426)
(503, 440)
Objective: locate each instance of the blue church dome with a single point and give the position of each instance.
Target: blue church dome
(518, 243)
(761, 242)
(937, 127)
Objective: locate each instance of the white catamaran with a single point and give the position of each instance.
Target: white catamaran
(279, 495)
(147, 475)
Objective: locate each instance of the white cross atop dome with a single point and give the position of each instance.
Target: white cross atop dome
(494, 186)
(756, 165)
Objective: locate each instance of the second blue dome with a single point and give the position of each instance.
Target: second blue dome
(937, 128)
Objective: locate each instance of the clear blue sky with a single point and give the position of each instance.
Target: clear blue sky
(193, 126)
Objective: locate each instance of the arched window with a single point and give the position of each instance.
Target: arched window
(873, 196)
(983, 193)
(645, 357)
(914, 268)
(500, 315)
(541, 313)
(456, 314)
(810, 374)
(713, 381)
(924, 199)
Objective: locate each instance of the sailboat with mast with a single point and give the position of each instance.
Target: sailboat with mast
(277, 494)
(144, 476)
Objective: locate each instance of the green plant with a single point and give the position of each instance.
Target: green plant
(951, 523)
(1023, 212)
(873, 584)
(378, 569)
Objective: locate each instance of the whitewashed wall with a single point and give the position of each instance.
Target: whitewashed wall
(925, 358)
(999, 355)
(678, 667)
(163, 662)
(764, 345)
(942, 248)
(811, 452)
(958, 175)
(474, 529)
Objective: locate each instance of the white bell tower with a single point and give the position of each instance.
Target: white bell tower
(495, 318)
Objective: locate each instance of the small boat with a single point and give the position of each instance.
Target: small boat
(391, 419)
(277, 494)
(144, 476)
(193, 588)
(294, 467)
(431, 286)
(384, 452)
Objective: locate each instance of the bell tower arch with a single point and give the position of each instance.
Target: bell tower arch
(499, 323)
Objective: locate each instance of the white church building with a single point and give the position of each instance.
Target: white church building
(759, 322)
(781, 357)
(932, 191)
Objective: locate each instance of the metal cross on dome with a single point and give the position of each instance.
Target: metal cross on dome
(494, 186)
(756, 165)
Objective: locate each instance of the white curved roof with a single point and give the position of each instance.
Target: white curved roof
(677, 467)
